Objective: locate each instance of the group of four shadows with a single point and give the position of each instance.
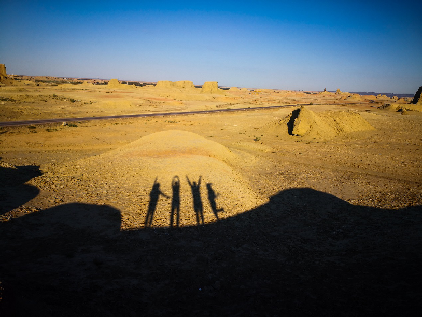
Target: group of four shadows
(175, 204)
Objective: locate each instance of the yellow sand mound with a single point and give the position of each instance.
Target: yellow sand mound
(400, 107)
(115, 83)
(164, 84)
(184, 84)
(176, 143)
(132, 171)
(324, 125)
(211, 87)
(412, 107)
(389, 107)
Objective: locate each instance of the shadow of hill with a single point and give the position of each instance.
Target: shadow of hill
(303, 253)
(13, 190)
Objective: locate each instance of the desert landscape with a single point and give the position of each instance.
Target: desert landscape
(220, 201)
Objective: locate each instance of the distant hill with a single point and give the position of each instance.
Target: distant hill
(388, 94)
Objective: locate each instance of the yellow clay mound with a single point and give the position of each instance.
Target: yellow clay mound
(412, 107)
(184, 84)
(176, 143)
(164, 84)
(211, 87)
(325, 125)
(132, 170)
(389, 107)
(115, 83)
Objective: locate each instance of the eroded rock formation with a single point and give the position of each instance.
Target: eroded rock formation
(211, 87)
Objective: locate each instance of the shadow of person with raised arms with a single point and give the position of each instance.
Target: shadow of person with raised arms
(154, 195)
(175, 202)
(211, 198)
(197, 200)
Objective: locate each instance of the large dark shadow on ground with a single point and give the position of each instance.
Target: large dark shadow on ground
(304, 253)
(13, 190)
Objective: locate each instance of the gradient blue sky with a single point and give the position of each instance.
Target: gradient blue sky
(295, 45)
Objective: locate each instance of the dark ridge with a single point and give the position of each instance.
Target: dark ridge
(417, 96)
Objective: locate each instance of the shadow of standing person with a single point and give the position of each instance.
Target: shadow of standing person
(212, 197)
(154, 195)
(175, 203)
(197, 201)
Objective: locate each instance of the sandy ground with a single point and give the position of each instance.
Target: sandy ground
(291, 225)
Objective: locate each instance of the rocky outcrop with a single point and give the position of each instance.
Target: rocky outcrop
(164, 84)
(211, 87)
(4, 80)
(113, 83)
(3, 74)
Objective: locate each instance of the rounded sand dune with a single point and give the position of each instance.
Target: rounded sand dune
(174, 143)
(134, 171)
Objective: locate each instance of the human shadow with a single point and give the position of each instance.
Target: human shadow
(13, 190)
(212, 196)
(175, 202)
(154, 195)
(197, 200)
(303, 253)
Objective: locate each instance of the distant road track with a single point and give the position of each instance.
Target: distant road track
(144, 115)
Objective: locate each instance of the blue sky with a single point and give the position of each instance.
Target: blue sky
(295, 45)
